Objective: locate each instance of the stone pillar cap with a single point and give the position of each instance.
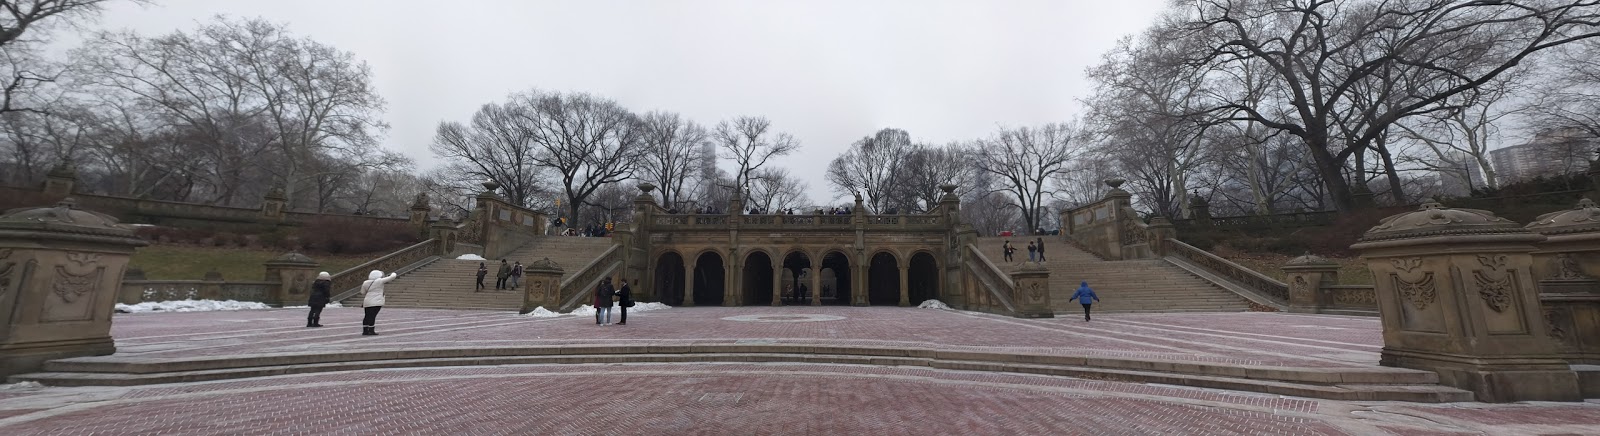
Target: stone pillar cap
(65, 217)
(1433, 219)
(292, 258)
(543, 265)
(1585, 217)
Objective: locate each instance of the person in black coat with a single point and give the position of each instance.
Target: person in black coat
(626, 301)
(321, 292)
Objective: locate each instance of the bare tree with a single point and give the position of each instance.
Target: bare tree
(1467, 132)
(915, 187)
(774, 189)
(23, 26)
(672, 154)
(495, 146)
(870, 167)
(1567, 95)
(585, 141)
(749, 143)
(1024, 160)
(1346, 72)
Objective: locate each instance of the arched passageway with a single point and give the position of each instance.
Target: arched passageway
(798, 284)
(709, 278)
(836, 266)
(883, 280)
(669, 279)
(922, 280)
(756, 288)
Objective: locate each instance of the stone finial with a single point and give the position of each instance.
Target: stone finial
(1309, 259)
(1196, 200)
(543, 265)
(646, 187)
(1434, 219)
(948, 188)
(1585, 217)
(421, 201)
(489, 185)
(1115, 183)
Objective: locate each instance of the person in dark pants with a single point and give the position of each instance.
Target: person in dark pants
(483, 271)
(1008, 249)
(321, 292)
(500, 277)
(625, 295)
(602, 302)
(1041, 249)
(1084, 295)
(372, 300)
(1032, 251)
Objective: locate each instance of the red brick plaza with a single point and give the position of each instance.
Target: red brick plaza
(798, 396)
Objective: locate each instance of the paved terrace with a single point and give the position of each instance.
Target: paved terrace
(626, 394)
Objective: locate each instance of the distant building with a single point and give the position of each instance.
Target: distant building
(1548, 154)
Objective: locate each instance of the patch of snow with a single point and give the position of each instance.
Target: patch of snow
(23, 385)
(190, 306)
(470, 256)
(587, 310)
(332, 305)
(933, 304)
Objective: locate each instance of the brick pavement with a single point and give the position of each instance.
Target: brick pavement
(750, 398)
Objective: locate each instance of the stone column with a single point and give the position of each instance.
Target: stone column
(905, 289)
(419, 213)
(816, 282)
(60, 271)
(858, 281)
(777, 283)
(294, 273)
(1457, 297)
(1199, 210)
(274, 205)
(733, 279)
(688, 284)
(1160, 230)
(541, 285)
(1307, 275)
(60, 181)
(1032, 292)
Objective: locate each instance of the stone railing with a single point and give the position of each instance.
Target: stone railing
(134, 291)
(1252, 281)
(575, 287)
(1279, 220)
(1351, 299)
(995, 286)
(348, 282)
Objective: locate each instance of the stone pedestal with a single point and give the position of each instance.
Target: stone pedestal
(274, 205)
(60, 181)
(60, 272)
(1307, 275)
(1567, 267)
(294, 273)
(1457, 297)
(1032, 292)
(541, 285)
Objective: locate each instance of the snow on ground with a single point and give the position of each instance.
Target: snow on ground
(470, 256)
(933, 304)
(189, 306)
(23, 385)
(333, 305)
(587, 310)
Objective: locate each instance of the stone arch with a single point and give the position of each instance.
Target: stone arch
(883, 278)
(755, 287)
(837, 269)
(922, 277)
(709, 279)
(669, 282)
(798, 269)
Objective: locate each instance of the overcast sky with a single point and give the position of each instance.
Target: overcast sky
(828, 72)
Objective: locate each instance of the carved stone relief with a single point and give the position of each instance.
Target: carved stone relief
(1495, 293)
(1420, 293)
(1567, 268)
(72, 295)
(1492, 261)
(1406, 265)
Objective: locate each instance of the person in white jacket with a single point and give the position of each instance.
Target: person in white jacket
(372, 290)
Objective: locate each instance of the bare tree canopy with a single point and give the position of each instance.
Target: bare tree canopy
(21, 25)
(672, 155)
(1344, 72)
(750, 143)
(493, 146)
(586, 141)
(1024, 160)
(870, 165)
(774, 189)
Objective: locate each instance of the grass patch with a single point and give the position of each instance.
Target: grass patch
(1352, 270)
(179, 262)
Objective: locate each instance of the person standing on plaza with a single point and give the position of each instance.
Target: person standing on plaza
(602, 302)
(483, 271)
(1031, 251)
(1041, 249)
(321, 293)
(1084, 297)
(516, 275)
(624, 301)
(372, 300)
(502, 275)
(1007, 250)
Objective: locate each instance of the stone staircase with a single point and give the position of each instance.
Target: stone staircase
(1151, 285)
(449, 283)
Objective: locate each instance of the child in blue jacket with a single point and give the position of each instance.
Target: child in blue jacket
(1084, 295)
